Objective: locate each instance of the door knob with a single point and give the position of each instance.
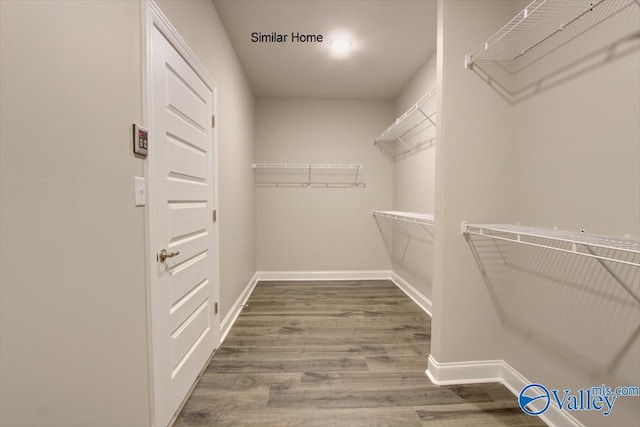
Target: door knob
(163, 255)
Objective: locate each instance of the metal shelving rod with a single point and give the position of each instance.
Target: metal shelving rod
(312, 185)
(305, 166)
(593, 240)
(418, 218)
(308, 175)
(575, 243)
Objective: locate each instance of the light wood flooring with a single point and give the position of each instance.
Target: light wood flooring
(348, 353)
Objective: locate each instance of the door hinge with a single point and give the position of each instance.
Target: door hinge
(215, 308)
(214, 215)
(213, 121)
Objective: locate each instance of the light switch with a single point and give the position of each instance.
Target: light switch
(141, 195)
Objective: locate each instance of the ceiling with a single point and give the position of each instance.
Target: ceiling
(391, 40)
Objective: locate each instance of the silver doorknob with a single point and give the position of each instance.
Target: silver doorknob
(163, 255)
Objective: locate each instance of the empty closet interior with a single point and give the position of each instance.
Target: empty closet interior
(500, 187)
(493, 176)
(348, 185)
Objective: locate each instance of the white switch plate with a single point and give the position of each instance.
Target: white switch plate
(141, 195)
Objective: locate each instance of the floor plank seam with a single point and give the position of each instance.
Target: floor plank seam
(352, 353)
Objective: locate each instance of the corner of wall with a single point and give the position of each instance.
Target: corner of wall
(411, 248)
(472, 168)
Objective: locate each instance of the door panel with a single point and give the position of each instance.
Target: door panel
(183, 101)
(180, 188)
(183, 216)
(186, 279)
(188, 337)
(188, 304)
(187, 160)
(183, 287)
(184, 132)
(189, 247)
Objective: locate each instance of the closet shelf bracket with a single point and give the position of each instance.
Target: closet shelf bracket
(601, 248)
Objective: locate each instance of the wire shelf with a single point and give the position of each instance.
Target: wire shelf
(409, 132)
(324, 175)
(619, 250)
(418, 218)
(305, 166)
(550, 40)
(535, 23)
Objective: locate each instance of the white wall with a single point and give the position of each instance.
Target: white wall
(414, 189)
(422, 82)
(200, 26)
(566, 155)
(576, 165)
(316, 229)
(73, 294)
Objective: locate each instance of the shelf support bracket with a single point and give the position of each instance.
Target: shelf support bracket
(464, 228)
(614, 275)
(426, 116)
(468, 63)
(402, 140)
(425, 228)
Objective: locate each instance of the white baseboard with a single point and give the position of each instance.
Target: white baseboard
(423, 302)
(515, 382)
(236, 308)
(324, 275)
(493, 371)
(486, 371)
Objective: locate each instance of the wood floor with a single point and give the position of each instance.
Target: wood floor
(350, 353)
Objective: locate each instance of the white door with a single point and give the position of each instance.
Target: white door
(184, 285)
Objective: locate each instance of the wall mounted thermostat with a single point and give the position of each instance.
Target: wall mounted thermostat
(140, 140)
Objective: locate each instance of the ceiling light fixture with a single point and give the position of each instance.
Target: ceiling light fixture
(340, 46)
